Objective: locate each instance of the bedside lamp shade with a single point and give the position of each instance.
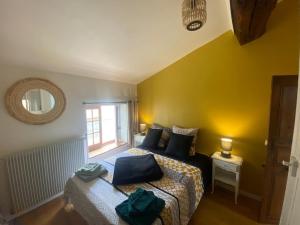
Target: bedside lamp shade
(143, 127)
(226, 145)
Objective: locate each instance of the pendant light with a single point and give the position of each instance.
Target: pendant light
(193, 14)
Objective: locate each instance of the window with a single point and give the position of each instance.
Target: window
(108, 121)
(107, 127)
(93, 127)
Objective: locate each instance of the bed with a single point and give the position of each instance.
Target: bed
(182, 188)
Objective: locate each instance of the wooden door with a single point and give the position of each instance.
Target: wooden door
(291, 207)
(282, 118)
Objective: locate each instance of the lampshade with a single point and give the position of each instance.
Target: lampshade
(226, 145)
(143, 127)
(193, 14)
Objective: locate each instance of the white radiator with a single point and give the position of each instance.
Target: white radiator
(37, 175)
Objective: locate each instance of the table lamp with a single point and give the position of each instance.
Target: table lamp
(143, 127)
(226, 145)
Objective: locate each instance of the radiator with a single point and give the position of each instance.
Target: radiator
(37, 175)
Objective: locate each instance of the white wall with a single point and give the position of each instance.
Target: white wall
(18, 136)
(15, 135)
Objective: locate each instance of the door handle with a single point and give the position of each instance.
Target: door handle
(293, 163)
(286, 164)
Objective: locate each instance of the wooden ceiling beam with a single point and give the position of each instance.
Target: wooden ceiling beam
(250, 17)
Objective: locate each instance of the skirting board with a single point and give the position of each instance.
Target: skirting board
(10, 219)
(242, 192)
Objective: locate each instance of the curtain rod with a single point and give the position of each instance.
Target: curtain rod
(105, 102)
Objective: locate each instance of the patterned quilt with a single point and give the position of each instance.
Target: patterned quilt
(181, 188)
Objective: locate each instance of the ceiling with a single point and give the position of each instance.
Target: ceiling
(123, 40)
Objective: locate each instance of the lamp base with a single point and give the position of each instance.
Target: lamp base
(226, 154)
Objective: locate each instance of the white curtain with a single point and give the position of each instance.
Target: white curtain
(133, 120)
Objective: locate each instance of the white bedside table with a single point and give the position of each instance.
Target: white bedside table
(138, 139)
(227, 171)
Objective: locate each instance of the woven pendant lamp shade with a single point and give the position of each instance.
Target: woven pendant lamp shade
(193, 14)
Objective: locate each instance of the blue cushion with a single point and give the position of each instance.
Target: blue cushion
(152, 138)
(179, 146)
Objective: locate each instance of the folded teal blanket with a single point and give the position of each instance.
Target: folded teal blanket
(90, 172)
(141, 208)
(89, 169)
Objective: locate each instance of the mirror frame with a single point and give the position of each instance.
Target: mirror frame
(14, 96)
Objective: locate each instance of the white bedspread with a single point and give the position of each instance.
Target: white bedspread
(95, 201)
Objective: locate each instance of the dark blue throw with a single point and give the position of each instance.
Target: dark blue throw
(136, 169)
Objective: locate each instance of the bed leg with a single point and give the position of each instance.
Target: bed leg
(68, 205)
(66, 200)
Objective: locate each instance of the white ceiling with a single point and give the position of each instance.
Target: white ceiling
(124, 40)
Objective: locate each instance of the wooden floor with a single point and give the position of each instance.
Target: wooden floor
(216, 209)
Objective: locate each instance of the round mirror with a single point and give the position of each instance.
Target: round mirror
(35, 101)
(38, 101)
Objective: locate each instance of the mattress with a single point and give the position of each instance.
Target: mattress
(181, 187)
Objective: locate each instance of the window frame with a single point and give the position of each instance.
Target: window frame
(98, 107)
(97, 145)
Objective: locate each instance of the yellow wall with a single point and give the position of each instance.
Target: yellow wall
(224, 89)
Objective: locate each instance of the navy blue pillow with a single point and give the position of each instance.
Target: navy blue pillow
(152, 138)
(179, 146)
(136, 169)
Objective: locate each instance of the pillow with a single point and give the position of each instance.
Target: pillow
(136, 169)
(165, 136)
(188, 131)
(152, 138)
(179, 146)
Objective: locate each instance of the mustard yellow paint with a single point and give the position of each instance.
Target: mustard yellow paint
(224, 89)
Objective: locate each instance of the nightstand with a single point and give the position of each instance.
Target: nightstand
(227, 171)
(138, 139)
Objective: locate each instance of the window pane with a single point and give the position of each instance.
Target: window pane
(88, 114)
(90, 139)
(96, 138)
(95, 114)
(96, 126)
(89, 127)
(108, 122)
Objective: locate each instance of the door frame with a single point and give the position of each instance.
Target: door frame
(290, 205)
(274, 106)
